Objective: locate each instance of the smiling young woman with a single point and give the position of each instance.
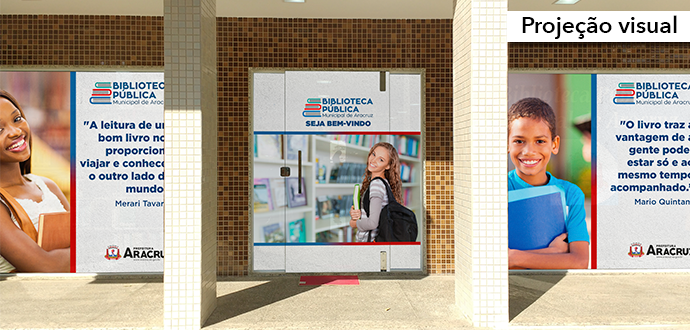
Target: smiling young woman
(382, 162)
(34, 194)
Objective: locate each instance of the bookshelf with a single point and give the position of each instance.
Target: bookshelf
(327, 194)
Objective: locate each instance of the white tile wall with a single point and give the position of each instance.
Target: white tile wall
(190, 172)
(480, 66)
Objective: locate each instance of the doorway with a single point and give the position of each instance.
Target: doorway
(313, 131)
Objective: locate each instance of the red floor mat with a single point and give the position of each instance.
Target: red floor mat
(329, 280)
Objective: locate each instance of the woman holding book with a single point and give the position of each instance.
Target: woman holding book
(35, 195)
(382, 162)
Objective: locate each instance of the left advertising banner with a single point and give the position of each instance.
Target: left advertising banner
(96, 146)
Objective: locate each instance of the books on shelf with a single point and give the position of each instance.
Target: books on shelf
(275, 193)
(347, 173)
(267, 146)
(294, 144)
(366, 141)
(320, 172)
(262, 196)
(277, 189)
(346, 203)
(324, 207)
(295, 198)
(333, 206)
(353, 172)
(330, 236)
(274, 233)
(406, 172)
(406, 196)
(406, 145)
(297, 231)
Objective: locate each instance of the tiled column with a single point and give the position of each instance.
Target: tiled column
(190, 162)
(480, 160)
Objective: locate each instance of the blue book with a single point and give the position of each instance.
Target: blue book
(535, 217)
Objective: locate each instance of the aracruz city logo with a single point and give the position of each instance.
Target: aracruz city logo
(625, 93)
(143, 253)
(112, 252)
(312, 108)
(636, 250)
(102, 93)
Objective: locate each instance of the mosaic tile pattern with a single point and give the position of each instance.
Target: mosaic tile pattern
(81, 40)
(330, 43)
(599, 56)
(480, 112)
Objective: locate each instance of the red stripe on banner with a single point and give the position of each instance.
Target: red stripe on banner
(379, 243)
(403, 133)
(329, 280)
(593, 217)
(73, 224)
(367, 133)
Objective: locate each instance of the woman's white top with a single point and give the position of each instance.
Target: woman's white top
(49, 203)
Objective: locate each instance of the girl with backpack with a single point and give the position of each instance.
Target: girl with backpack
(382, 162)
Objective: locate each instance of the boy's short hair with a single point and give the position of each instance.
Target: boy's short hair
(532, 107)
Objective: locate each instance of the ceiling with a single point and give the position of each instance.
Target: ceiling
(600, 5)
(323, 8)
(244, 8)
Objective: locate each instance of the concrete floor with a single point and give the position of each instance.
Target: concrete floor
(537, 300)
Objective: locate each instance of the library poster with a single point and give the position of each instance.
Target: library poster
(529, 226)
(99, 137)
(642, 160)
(322, 125)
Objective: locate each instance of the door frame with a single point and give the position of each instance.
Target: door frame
(422, 156)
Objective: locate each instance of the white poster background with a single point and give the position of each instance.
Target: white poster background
(360, 105)
(301, 102)
(108, 218)
(631, 219)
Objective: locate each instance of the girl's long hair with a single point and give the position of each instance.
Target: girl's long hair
(392, 174)
(24, 166)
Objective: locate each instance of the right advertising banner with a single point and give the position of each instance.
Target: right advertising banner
(641, 161)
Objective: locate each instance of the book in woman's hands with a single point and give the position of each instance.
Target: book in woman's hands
(54, 231)
(355, 197)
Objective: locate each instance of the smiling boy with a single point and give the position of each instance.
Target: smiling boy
(532, 139)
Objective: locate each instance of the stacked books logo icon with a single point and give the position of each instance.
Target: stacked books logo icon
(625, 93)
(312, 108)
(101, 94)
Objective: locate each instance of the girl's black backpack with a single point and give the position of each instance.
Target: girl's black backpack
(397, 223)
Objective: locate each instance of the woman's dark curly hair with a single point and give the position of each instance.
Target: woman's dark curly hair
(25, 166)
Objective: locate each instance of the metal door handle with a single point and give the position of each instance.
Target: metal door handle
(299, 171)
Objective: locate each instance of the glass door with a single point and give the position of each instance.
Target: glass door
(280, 196)
(311, 145)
